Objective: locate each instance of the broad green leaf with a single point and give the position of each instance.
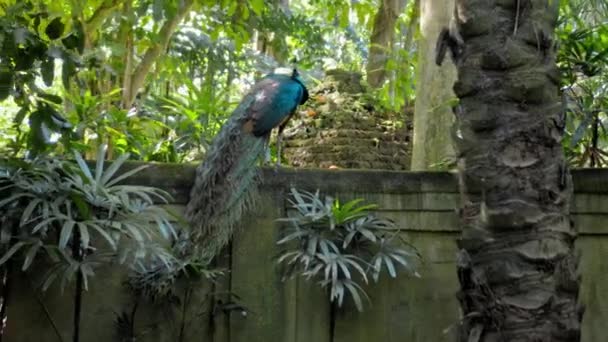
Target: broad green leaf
(257, 6)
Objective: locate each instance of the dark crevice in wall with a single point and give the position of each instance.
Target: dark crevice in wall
(333, 309)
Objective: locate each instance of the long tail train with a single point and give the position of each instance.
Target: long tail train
(226, 182)
(225, 185)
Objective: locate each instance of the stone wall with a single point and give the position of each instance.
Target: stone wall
(342, 126)
(402, 310)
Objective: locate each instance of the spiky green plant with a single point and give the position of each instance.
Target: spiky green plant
(342, 245)
(76, 218)
(155, 281)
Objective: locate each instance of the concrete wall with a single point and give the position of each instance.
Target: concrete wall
(405, 309)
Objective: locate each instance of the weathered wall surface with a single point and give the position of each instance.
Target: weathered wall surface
(406, 309)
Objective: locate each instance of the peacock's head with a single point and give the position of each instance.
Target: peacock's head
(284, 71)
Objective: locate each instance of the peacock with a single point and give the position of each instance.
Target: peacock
(226, 182)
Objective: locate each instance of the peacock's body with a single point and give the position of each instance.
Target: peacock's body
(226, 182)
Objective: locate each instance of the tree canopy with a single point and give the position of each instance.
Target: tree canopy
(157, 78)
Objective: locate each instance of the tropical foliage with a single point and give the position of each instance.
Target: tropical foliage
(583, 59)
(68, 212)
(74, 218)
(341, 246)
(157, 78)
(160, 77)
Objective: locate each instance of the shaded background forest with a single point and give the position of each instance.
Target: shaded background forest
(157, 78)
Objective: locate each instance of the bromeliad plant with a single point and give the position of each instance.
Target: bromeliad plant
(75, 218)
(342, 245)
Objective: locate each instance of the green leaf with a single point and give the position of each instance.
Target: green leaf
(31, 255)
(390, 266)
(84, 235)
(104, 234)
(125, 174)
(82, 205)
(14, 198)
(55, 28)
(354, 291)
(51, 277)
(29, 209)
(66, 233)
(83, 166)
(20, 116)
(70, 42)
(78, 27)
(25, 59)
(101, 155)
(257, 6)
(14, 248)
(344, 20)
(53, 99)
(43, 223)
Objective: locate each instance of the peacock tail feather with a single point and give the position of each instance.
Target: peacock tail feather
(225, 185)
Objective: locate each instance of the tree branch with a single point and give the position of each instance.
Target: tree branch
(153, 52)
(126, 36)
(92, 24)
(100, 14)
(381, 40)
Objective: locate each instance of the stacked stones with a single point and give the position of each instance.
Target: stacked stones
(342, 127)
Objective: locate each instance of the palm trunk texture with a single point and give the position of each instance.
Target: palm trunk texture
(516, 264)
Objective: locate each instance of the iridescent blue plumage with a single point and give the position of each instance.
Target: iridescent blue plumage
(275, 99)
(226, 182)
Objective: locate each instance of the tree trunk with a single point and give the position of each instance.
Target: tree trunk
(516, 264)
(135, 80)
(433, 119)
(382, 39)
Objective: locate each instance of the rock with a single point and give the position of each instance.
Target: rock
(342, 127)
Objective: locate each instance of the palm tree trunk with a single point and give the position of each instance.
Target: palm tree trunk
(516, 264)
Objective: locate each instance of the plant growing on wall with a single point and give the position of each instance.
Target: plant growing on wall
(75, 218)
(171, 288)
(342, 245)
